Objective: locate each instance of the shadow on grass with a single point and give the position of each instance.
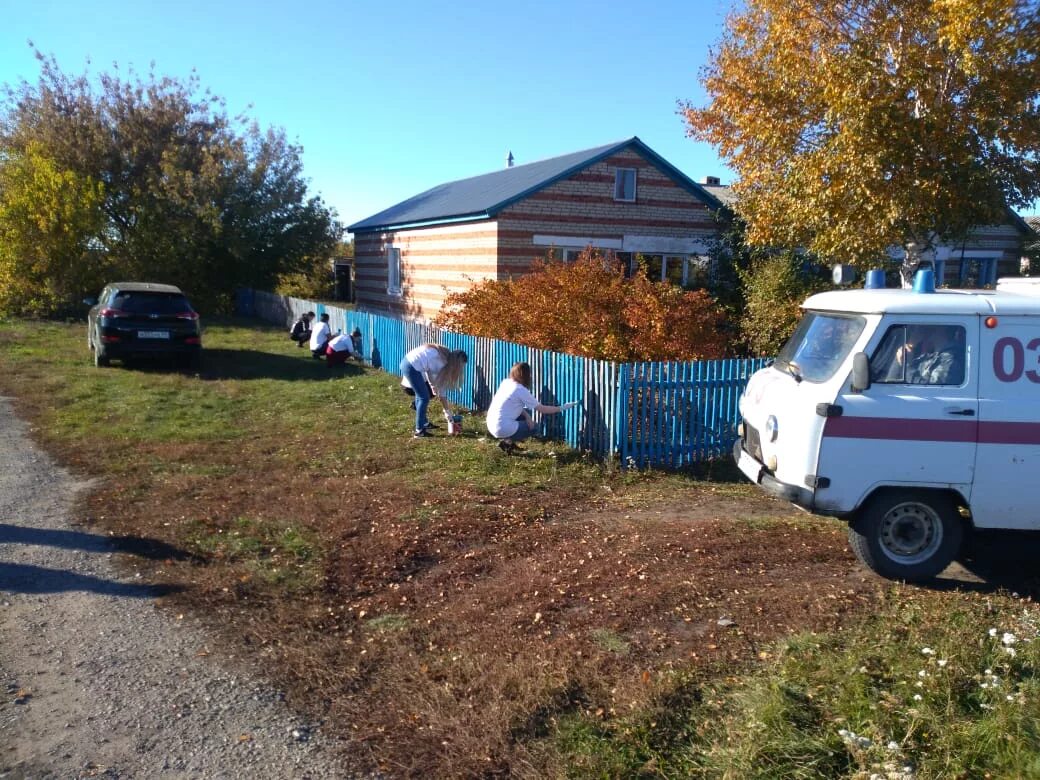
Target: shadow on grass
(1003, 560)
(252, 364)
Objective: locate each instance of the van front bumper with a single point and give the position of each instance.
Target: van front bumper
(759, 474)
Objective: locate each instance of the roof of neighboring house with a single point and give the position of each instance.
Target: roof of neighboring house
(722, 192)
(482, 197)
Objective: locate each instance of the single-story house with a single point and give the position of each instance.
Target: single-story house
(977, 261)
(622, 198)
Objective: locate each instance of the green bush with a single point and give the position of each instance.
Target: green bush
(774, 288)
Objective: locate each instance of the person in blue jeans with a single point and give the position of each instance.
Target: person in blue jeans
(439, 366)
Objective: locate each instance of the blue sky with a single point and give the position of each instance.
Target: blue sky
(389, 99)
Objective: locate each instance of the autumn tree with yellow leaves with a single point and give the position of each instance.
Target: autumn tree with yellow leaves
(859, 125)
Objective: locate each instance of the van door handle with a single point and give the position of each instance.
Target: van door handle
(961, 412)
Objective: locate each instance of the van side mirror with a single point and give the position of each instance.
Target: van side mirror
(860, 372)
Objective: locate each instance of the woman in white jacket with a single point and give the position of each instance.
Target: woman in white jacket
(508, 418)
(427, 368)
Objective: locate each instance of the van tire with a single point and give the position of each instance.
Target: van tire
(909, 535)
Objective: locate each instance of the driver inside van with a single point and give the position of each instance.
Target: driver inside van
(938, 357)
(926, 355)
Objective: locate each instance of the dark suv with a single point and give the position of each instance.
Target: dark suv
(136, 319)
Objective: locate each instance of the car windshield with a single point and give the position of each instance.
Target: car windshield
(820, 344)
(151, 303)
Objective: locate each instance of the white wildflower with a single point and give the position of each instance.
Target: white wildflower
(917, 697)
(1009, 638)
(1010, 651)
(993, 632)
(988, 672)
(942, 662)
(927, 651)
(1010, 697)
(922, 673)
(892, 745)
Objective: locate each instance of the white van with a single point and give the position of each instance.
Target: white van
(913, 414)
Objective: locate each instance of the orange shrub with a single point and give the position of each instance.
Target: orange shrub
(589, 308)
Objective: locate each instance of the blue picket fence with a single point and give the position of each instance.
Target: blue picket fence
(667, 414)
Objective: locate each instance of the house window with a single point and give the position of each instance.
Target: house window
(571, 255)
(978, 272)
(627, 261)
(625, 185)
(675, 270)
(667, 268)
(393, 270)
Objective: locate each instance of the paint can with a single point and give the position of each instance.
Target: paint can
(455, 425)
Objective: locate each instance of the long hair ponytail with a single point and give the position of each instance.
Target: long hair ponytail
(450, 377)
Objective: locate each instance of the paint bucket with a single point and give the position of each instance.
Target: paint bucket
(455, 425)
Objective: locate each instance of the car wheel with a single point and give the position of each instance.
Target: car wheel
(100, 357)
(907, 535)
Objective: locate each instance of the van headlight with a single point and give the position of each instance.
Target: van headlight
(772, 428)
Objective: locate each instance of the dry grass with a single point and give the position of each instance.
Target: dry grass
(442, 618)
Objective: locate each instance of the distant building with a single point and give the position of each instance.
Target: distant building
(622, 198)
(987, 252)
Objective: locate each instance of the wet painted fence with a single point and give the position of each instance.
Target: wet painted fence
(668, 414)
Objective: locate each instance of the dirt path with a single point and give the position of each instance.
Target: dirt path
(95, 681)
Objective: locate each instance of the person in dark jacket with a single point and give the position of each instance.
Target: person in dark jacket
(301, 329)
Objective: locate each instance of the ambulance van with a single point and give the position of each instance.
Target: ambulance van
(912, 414)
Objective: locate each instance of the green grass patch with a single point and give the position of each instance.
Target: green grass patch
(932, 687)
(279, 554)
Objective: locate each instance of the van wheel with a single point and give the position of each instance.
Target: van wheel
(907, 534)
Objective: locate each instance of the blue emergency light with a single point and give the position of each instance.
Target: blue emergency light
(875, 279)
(924, 281)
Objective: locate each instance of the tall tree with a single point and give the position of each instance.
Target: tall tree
(858, 125)
(189, 195)
(48, 220)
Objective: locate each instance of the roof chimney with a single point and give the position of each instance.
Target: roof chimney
(712, 181)
(509, 160)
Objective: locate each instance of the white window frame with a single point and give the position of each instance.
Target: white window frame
(393, 270)
(618, 173)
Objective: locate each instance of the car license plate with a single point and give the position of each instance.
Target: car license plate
(153, 334)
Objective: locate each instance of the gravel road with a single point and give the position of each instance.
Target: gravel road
(95, 681)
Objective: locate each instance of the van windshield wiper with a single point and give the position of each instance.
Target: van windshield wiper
(793, 369)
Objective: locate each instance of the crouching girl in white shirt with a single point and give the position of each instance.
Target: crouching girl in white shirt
(508, 418)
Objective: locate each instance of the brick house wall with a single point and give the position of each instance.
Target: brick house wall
(572, 213)
(434, 261)
(579, 210)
